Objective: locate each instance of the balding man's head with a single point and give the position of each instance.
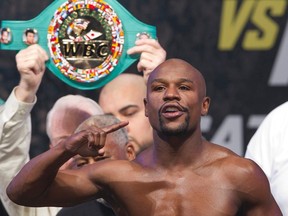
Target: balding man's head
(123, 83)
(123, 97)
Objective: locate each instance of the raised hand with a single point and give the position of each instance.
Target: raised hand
(31, 66)
(151, 55)
(90, 142)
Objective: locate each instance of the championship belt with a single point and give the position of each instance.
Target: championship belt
(87, 39)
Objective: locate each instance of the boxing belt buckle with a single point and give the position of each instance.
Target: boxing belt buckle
(87, 39)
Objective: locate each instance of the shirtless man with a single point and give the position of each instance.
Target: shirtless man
(185, 175)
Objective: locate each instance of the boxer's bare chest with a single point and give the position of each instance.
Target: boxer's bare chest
(182, 192)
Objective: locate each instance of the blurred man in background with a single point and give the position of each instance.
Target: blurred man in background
(15, 123)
